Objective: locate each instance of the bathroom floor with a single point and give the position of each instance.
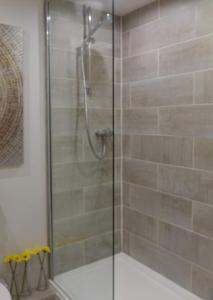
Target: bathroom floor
(132, 281)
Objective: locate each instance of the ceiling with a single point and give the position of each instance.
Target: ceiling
(123, 7)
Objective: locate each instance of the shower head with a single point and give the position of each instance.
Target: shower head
(106, 19)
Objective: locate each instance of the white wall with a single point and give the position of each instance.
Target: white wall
(22, 190)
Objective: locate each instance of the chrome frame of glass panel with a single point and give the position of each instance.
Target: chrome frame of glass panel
(48, 138)
(47, 18)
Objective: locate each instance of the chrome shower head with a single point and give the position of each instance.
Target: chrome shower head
(106, 19)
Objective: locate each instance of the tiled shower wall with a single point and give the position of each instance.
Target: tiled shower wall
(168, 140)
(82, 185)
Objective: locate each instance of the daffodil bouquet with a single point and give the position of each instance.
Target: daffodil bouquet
(14, 261)
(42, 253)
(24, 258)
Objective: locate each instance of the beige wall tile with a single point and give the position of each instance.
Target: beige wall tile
(98, 247)
(204, 87)
(140, 67)
(64, 93)
(161, 261)
(139, 121)
(98, 197)
(193, 184)
(126, 242)
(66, 149)
(140, 172)
(68, 257)
(187, 121)
(157, 92)
(126, 91)
(140, 224)
(126, 44)
(70, 38)
(140, 16)
(126, 145)
(176, 240)
(160, 205)
(187, 57)
(202, 219)
(160, 33)
(68, 204)
(82, 227)
(102, 68)
(202, 283)
(168, 7)
(60, 67)
(82, 174)
(203, 153)
(164, 149)
(184, 243)
(66, 122)
(204, 18)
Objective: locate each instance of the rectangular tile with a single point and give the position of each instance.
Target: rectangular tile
(66, 149)
(66, 122)
(82, 227)
(68, 204)
(163, 149)
(187, 121)
(186, 244)
(140, 121)
(168, 7)
(161, 261)
(140, 67)
(204, 87)
(69, 40)
(102, 68)
(81, 174)
(60, 67)
(171, 209)
(64, 93)
(126, 145)
(126, 242)
(176, 240)
(192, 184)
(202, 283)
(187, 57)
(202, 219)
(98, 197)
(140, 16)
(203, 153)
(126, 44)
(68, 257)
(126, 94)
(204, 18)
(98, 247)
(140, 224)
(140, 172)
(163, 32)
(157, 92)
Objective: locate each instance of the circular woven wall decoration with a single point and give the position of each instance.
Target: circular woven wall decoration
(11, 96)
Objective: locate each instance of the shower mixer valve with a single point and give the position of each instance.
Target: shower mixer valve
(104, 133)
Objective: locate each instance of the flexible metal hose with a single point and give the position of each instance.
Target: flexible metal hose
(101, 155)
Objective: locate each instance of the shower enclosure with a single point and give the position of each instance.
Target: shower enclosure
(81, 135)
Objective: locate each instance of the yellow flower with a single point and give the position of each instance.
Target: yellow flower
(25, 257)
(17, 258)
(28, 252)
(8, 259)
(36, 251)
(46, 249)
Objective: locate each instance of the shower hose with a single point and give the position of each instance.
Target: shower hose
(102, 154)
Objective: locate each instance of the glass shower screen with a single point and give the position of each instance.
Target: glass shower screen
(80, 71)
